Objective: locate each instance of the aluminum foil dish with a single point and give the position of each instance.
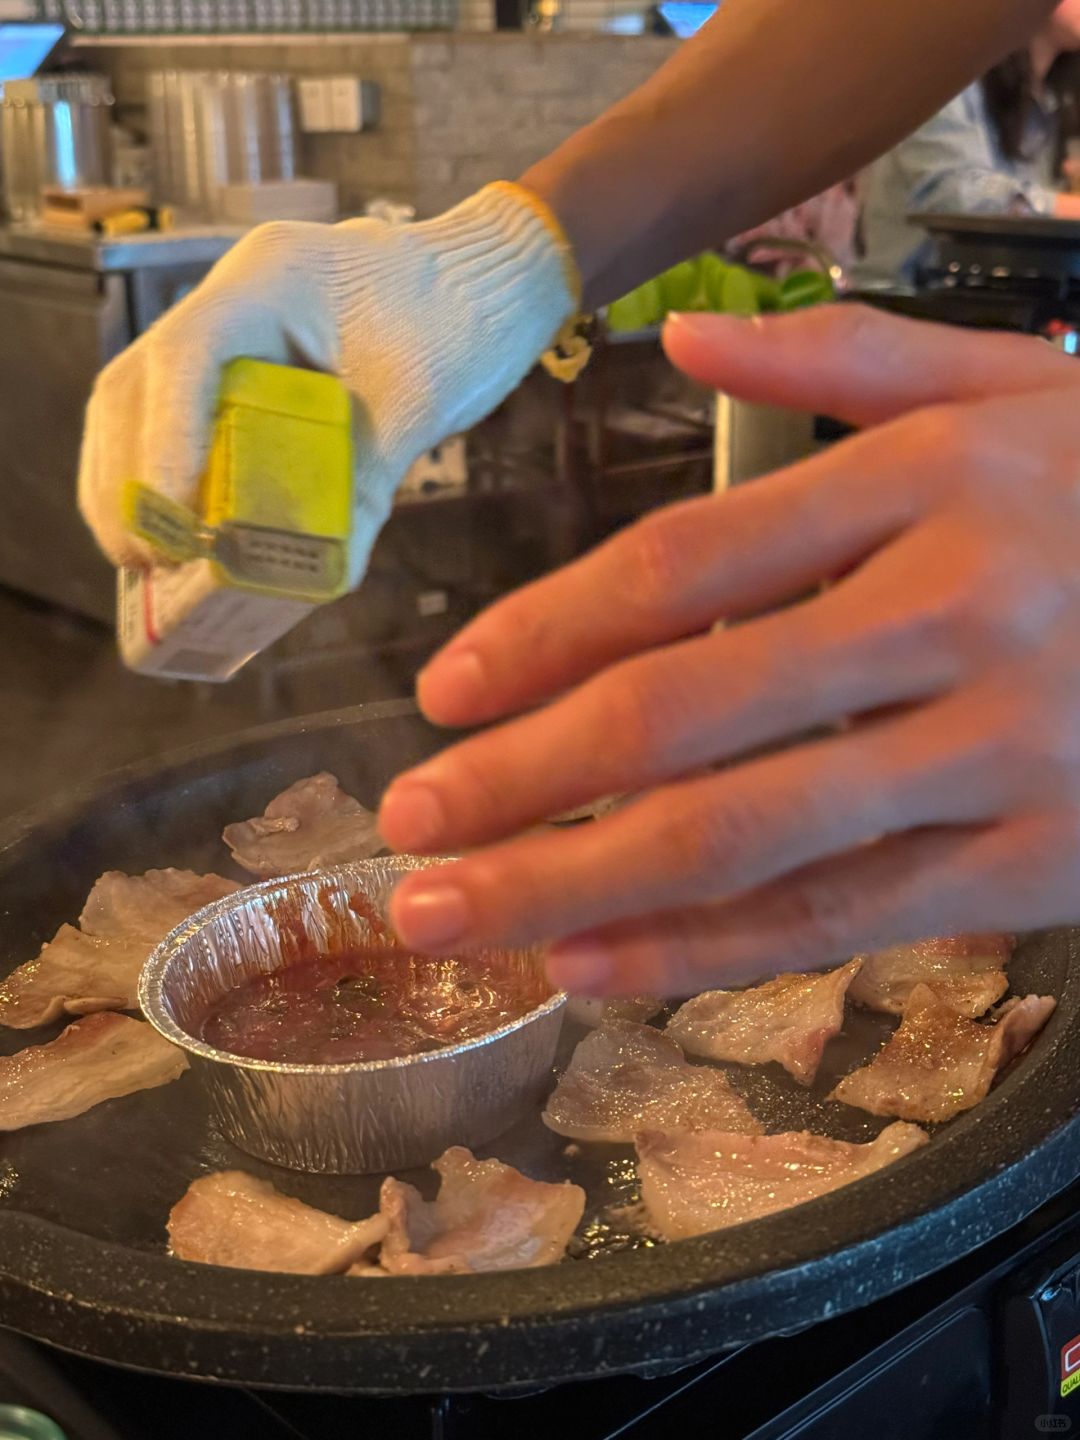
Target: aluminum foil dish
(341, 1118)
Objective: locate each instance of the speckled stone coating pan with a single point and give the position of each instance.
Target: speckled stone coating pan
(83, 1204)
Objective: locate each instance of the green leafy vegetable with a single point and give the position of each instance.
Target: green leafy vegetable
(738, 295)
(638, 310)
(713, 284)
(805, 287)
(680, 287)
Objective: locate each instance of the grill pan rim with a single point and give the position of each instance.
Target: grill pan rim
(515, 1345)
(662, 1307)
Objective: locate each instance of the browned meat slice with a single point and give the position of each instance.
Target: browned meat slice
(75, 974)
(938, 1063)
(624, 1078)
(487, 1216)
(233, 1219)
(789, 1019)
(594, 810)
(966, 971)
(589, 1010)
(692, 1184)
(100, 1058)
(146, 907)
(97, 967)
(310, 826)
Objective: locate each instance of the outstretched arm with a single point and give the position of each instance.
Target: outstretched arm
(431, 325)
(771, 102)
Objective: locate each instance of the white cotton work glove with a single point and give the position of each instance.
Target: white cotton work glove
(429, 325)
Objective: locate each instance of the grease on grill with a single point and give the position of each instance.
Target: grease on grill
(375, 1003)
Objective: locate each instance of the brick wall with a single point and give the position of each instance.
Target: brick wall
(457, 110)
(488, 106)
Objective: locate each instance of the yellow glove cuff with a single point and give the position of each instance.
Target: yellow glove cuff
(569, 351)
(544, 213)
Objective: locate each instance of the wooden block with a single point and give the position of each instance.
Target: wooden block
(83, 207)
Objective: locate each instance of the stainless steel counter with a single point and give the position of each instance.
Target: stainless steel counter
(68, 304)
(74, 251)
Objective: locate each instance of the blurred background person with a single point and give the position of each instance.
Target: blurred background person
(994, 150)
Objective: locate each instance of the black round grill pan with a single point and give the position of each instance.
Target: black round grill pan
(83, 1204)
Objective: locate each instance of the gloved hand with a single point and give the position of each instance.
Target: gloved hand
(429, 325)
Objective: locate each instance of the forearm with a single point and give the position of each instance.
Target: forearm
(772, 102)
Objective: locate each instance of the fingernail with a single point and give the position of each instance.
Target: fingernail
(412, 817)
(434, 915)
(458, 674)
(707, 324)
(703, 320)
(583, 968)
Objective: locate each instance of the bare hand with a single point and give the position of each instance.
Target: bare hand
(948, 655)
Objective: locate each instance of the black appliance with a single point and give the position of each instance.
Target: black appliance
(980, 272)
(997, 271)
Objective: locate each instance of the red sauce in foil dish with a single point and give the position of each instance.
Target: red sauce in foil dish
(368, 1004)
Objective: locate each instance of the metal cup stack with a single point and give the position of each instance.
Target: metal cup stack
(211, 129)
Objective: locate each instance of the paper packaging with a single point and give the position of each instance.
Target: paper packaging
(271, 542)
(183, 624)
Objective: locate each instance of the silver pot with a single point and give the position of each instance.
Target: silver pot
(54, 131)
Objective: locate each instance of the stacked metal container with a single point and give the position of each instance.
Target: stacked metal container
(209, 129)
(54, 130)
